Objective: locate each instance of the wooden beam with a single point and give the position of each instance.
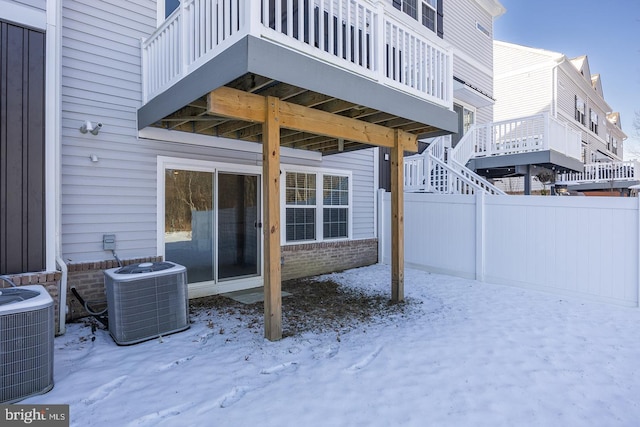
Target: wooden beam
(397, 217)
(240, 105)
(408, 142)
(271, 221)
(236, 104)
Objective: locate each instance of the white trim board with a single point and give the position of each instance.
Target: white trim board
(217, 142)
(23, 15)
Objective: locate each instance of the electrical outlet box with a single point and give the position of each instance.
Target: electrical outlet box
(109, 242)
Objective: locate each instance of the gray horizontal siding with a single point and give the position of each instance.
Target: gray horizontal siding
(362, 164)
(34, 4)
(472, 75)
(101, 82)
(460, 17)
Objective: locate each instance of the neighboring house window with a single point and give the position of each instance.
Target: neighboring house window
(482, 29)
(409, 7)
(300, 206)
(580, 110)
(312, 218)
(429, 16)
(466, 119)
(170, 6)
(614, 142)
(584, 152)
(593, 121)
(430, 12)
(608, 141)
(335, 198)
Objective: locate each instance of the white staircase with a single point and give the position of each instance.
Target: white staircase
(440, 169)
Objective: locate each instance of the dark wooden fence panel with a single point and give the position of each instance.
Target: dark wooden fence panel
(22, 165)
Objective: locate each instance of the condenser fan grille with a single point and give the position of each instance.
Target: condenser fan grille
(26, 352)
(145, 267)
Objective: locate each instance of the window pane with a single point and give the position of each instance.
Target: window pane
(188, 207)
(409, 7)
(301, 224)
(335, 223)
(300, 188)
(170, 6)
(428, 17)
(335, 190)
(238, 236)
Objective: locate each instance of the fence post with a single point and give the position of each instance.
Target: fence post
(480, 235)
(381, 224)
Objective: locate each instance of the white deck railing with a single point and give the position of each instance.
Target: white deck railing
(602, 172)
(523, 135)
(367, 37)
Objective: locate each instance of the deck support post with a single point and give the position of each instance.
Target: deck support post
(397, 218)
(271, 191)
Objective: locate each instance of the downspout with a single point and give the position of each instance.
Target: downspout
(62, 296)
(54, 150)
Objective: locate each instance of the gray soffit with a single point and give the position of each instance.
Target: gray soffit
(547, 157)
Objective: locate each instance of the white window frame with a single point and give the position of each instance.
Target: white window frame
(319, 206)
(583, 112)
(593, 124)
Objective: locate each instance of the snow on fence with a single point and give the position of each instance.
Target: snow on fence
(579, 246)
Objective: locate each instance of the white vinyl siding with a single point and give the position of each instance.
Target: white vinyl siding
(460, 19)
(473, 50)
(524, 94)
(523, 85)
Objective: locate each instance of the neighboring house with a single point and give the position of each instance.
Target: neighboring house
(467, 26)
(175, 128)
(536, 89)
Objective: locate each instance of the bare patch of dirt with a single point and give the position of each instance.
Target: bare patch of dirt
(313, 306)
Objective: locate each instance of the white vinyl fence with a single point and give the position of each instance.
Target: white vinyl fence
(582, 246)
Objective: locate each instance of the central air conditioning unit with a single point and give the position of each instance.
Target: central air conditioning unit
(26, 342)
(145, 301)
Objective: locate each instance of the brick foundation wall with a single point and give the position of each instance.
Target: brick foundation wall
(88, 279)
(310, 259)
(51, 282)
(302, 260)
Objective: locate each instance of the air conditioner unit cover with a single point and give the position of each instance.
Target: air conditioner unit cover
(26, 342)
(146, 301)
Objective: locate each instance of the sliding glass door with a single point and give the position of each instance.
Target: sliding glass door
(212, 223)
(238, 223)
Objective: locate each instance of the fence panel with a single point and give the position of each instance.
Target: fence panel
(581, 246)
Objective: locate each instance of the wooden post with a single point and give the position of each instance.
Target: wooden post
(397, 219)
(271, 227)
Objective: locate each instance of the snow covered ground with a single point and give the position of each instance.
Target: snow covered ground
(465, 354)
